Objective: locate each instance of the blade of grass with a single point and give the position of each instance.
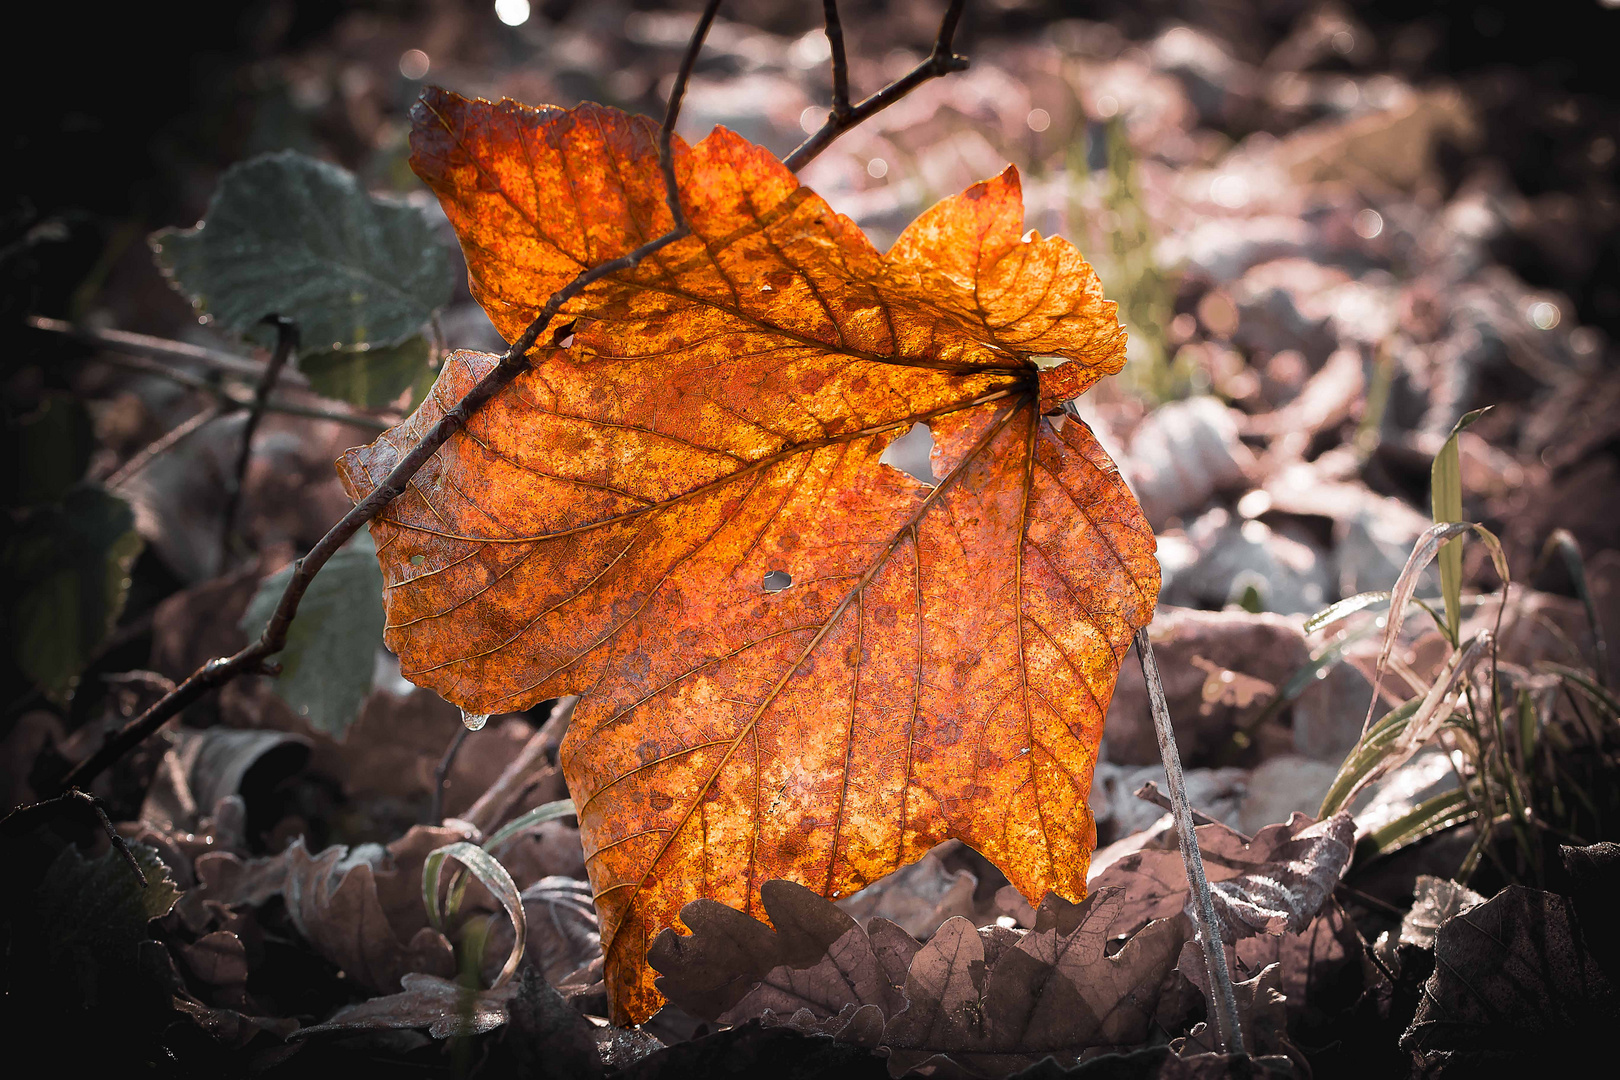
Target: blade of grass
(493, 876)
(1443, 811)
(1400, 734)
(1344, 609)
(535, 818)
(1423, 553)
(1445, 499)
(1570, 552)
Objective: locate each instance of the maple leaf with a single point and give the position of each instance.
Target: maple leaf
(940, 665)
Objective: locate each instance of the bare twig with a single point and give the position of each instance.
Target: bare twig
(530, 764)
(942, 61)
(163, 444)
(513, 362)
(840, 63)
(1208, 922)
(15, 822)
(145, 345)
(286, 342)
(230, 401)
(441, 773)
(1150, 793)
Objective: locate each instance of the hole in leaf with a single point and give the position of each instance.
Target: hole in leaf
(910, 454)
(777, 580)
(418, 560)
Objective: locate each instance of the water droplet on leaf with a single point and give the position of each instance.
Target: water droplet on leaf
(474, 721)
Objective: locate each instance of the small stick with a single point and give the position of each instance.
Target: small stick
(441, 773)
(530, 764)
(145, 345)
(1208, 922)
(942, 61)
(286, 342)
(513, 362)
(162, 445)
(1150, 793)
(840, 62)
(230, 401)
(13, 823)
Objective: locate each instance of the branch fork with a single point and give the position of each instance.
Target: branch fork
(253, 658)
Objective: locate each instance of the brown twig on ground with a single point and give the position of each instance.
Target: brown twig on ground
(286, 342)
(1227, 1028)
(842, 116)
(532, 762)
(12, 823)
(163, 444)
(229, 401)
(145, 345)
(441, 773)
(513, 362)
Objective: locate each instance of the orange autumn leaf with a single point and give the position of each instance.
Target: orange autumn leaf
(942, 661)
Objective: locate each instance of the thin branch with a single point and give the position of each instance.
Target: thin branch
(230, 401)
(1208, 922)
(15, 822)
(513, 362)
(840, 63)
(286, 342)
(145, 345)
(441, 773)
(942, 61)
(162, 445)
(532, 763)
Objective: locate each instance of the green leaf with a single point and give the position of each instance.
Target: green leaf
(1445, 498)
(68, 567)
(331, 650)
(48, 449)
(93, 912)
(371, 378)
(289, 235)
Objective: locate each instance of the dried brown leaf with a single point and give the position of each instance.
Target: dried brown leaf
(1273, 884)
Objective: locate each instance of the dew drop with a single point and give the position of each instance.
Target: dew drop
(474, 721)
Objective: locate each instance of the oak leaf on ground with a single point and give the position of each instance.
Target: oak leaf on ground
(940, 665)
(970, 1002)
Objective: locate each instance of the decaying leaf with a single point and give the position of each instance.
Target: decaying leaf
(443, 1007)
(1514, 977)
(1435, 901)
(917, 897)
(942, 660)
(1262, 1007)
(361, 908)
(978, 1002)
(1273, 884)
(91, 913)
